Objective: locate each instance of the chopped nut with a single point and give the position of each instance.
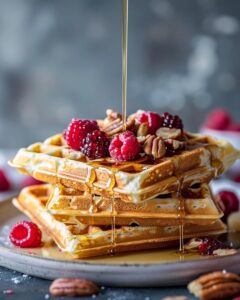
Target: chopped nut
(174, 145)
(154, 146)
(73, 287)
(223, 252)
(216, 285)
(193, 244)
(169, 133)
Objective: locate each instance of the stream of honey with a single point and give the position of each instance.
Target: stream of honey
(124, 60)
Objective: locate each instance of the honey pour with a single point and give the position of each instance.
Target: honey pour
(124, 60)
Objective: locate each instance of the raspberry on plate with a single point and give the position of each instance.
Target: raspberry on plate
(77, 130)
(95, 145)
(152, 119)
(218, 119)
(209, 245)
(172, 121)
(25, 234)
(228, 201)
(4, 182)
(124, 147)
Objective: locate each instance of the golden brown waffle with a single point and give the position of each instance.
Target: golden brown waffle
(86, 241)
(199, 207)
(53, 162)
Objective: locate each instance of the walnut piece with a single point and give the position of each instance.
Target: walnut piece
(154, 146)
(73, 287)
(216, 285)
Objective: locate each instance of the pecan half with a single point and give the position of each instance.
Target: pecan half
(154, 146)
(216, 285)
(73, 287)
(169, 133)
(142, 130)
(116, 126)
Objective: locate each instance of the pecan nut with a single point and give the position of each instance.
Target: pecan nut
(73, 287)
(169, 133)
(154, 146)
(116, 126)
(142, 130)
(216, 285)
(174, 144)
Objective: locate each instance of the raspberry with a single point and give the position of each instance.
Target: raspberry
(95, 145)
(233, 127)
(124, 146)
(4, 182)
(236, 178)
(172, 121)
(25, 234)
(77, 130)
(209, 245)
(28, 181)
(218, 119)
(152, 119)
(228, 201)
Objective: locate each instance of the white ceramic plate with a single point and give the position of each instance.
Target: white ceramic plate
(148, 269)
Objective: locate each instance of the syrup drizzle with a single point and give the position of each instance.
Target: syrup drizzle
(113, 231)
(124, 60)
(124, 106)
(181, 214)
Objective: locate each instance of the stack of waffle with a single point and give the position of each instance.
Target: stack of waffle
(96, 207)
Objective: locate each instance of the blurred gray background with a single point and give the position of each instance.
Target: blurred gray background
(62, 58)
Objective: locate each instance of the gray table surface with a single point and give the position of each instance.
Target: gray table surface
(26, 287)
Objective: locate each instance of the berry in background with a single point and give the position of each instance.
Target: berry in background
(4, 182)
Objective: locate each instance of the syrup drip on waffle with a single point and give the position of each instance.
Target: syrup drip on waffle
(113, 236)
(181, 214)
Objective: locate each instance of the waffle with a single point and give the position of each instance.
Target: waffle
(85, 240)
(199, 207)
(53, 162)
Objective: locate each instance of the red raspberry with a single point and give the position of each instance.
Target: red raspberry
(77, 130)
(172, 121)
(234, 127)
(152, 119)
(228, 201)
(95, 145)
(236, 178)
(124, 146)
(28, 181)
(210, 244)
(25, 234)
(4, 182)
(218, 119)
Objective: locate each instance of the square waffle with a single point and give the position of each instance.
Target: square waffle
(199, 207)
(54, 162)
(84, 240)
